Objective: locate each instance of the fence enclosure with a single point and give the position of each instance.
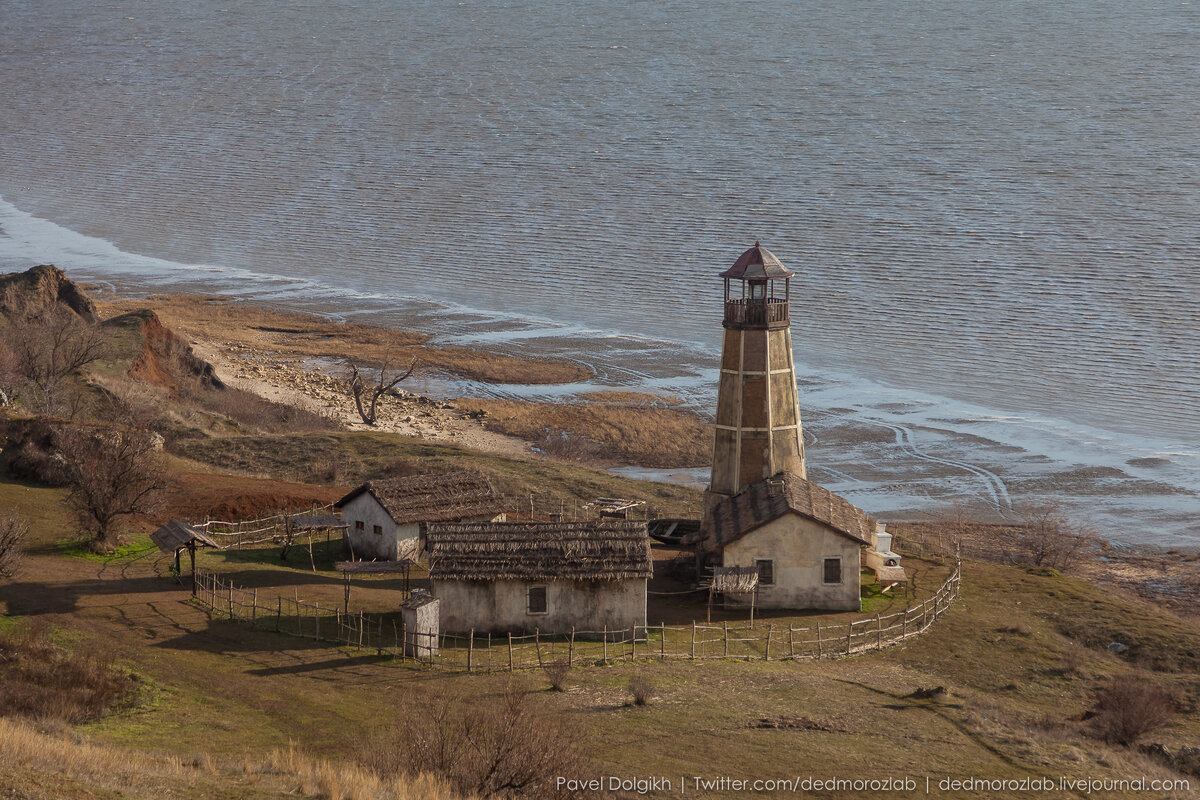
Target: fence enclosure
(385, 634)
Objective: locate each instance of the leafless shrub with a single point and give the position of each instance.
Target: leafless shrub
(366, 390)
(111, 473)
(13, 530)
(1047, 538)
(557, 673)
(41, 680)
(641, 689)
(49, 347)
(252, 411)
(500, 747)
(1129, 707)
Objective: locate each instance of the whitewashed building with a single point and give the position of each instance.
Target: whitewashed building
(387, 519)
(804, 541)
(552, 577)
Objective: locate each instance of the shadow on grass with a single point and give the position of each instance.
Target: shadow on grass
(30, 598)
(317, 666)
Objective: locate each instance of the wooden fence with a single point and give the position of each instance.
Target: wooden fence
(385, 634)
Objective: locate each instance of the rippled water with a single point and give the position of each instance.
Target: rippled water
(992, 207)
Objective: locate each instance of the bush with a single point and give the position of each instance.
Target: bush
(501, 747)
(557, 673)
(40, 680)
(1129, 707)
(641, 689)
(13, 530)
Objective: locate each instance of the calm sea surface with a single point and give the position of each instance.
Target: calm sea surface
(993, 207)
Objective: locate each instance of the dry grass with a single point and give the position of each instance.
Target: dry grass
(41, 680)
(221, 319)
(29, 753)
(640, 434)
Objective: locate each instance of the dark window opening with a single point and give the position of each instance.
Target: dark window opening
(537, 600)
(358, 525)
(766, 572)
(833, 570)
(378, 530)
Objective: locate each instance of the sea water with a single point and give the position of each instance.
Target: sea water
(991, 207)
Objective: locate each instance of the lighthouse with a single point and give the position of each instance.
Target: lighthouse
(757, 425)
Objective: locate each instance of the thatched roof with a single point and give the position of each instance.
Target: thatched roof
(766, 501)
(728, 580)
(433, 498)
(176, 534)
(600, 550)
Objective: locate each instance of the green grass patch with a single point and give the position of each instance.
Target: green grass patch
(133, 548)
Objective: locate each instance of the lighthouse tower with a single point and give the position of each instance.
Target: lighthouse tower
(758, 417)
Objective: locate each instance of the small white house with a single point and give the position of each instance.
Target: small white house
(804, 541)
(387, 519)
(548, 576)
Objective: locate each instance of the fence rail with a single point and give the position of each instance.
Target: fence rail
(385, 634)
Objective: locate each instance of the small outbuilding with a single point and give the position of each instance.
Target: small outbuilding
(553, 577)
(387, 519)
(803, 540)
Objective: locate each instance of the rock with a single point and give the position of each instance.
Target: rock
(1117, 648)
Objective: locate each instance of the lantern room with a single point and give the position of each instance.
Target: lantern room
(757, 290)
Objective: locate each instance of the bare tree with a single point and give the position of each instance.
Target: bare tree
(1046, 537)
(48, 348)
(13, 530)
(367, 389)
(111, 473)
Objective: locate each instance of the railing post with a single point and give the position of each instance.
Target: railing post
(849, 635)
(604, 636)
(818, 640)
(510, 664)
(693, 640)
(316, 621)
(662, 641)
(470, 648)
(878, 632)
(571, 649)
(767, 650)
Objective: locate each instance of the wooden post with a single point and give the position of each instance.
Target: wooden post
(605, 637)
(192, 556)
(489, 667)
(818, 639)
(924, 615)
(791, 643)
(767, 650)
(571, 649)
(510, 669)
(404, 641)
(904, 626)
(878, 632)
(753, 603)
(633, 643)
(726, 624)
(299, 616)
(254, 610)
(662, 641)
(470, 648)
(537, 643)
(361, 620)
(230, 597)
(395, 636)
(278, 611)
(346, 602)
(849, 634)
(317, 622)
(693, 640)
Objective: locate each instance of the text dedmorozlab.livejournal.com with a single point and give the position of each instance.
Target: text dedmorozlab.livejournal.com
(1028, 785)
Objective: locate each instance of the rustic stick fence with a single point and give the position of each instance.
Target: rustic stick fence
(385, 634)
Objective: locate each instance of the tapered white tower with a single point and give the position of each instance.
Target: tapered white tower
(758, 416)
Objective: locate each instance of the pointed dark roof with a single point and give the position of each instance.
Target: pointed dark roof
(757, 263)
(433, 498)
(176, 534)
(766, 501)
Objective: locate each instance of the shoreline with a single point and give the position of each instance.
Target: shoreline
(897, 461)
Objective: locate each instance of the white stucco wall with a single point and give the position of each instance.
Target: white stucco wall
(798, 547)
(500, 606)
(366, 544)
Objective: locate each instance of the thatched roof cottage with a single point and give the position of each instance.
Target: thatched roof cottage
(554, 576)
(387, 519)
(803, 539)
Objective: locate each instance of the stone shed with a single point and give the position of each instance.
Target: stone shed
(804, 541)
(552, 577)
(387, 519)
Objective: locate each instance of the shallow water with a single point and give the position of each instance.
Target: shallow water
(991, 206)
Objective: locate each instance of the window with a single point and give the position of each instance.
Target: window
(378, 530)
(536, 600)
(358, 525)
(766, 572)
(833, 570)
